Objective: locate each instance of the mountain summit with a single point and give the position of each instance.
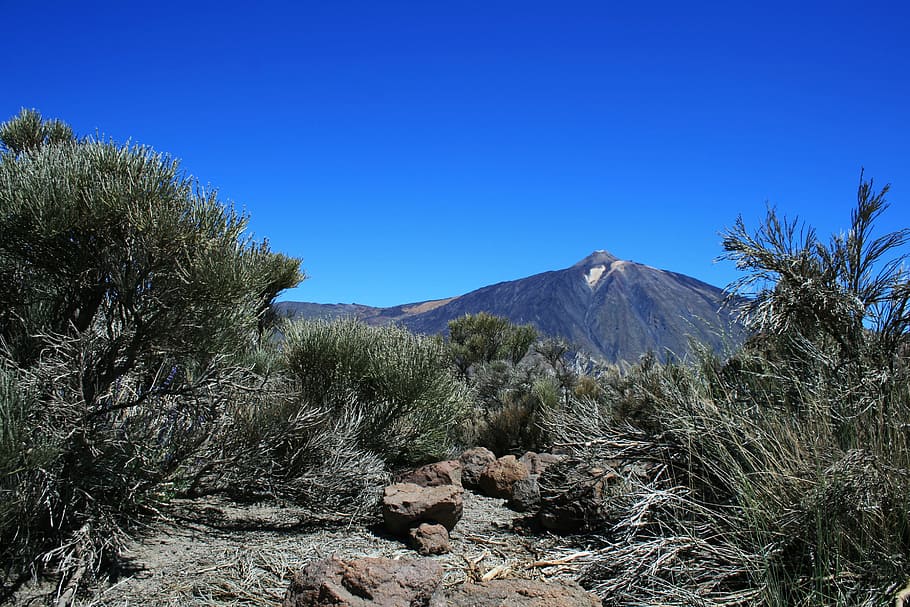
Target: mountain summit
(609, 307)
(599, 257)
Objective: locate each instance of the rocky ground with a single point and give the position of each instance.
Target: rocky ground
(215, 552)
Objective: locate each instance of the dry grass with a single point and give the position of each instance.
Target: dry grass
(774, 486)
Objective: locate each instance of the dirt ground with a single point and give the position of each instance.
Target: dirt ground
(215, 552)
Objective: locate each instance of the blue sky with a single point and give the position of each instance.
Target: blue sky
(417, 150)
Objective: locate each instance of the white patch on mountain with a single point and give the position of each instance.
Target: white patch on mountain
(594, 275)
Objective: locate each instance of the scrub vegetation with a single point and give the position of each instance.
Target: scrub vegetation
(139, 362)
(784, 465)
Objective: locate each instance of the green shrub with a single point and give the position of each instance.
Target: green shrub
(132, 293)
(509, 401)
(764, 499)
(482, 338)
(401, 386)
(514, 378)
(23, 461)
(849, 296)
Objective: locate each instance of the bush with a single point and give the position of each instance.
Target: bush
(277, 446)
(23, 461)
(850, 296)
(132, 292)
(782, 477)
(509, 401)
(482, 338)
(514, 377)
(764, 499)
(401, 386)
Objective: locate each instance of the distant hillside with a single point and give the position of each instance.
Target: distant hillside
(611, 308)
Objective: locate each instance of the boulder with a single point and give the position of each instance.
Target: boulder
(497, 478)
(433, 475)
(521, 593)
(575, 496)
(473, 461)
(406, 505)
(366, 582)
(525, 494)
(538, 462)
(381, 582)
(430, 539)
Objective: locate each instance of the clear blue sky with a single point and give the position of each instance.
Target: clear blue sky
(417, 150)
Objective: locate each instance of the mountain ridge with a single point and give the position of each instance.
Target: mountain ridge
(609, 307)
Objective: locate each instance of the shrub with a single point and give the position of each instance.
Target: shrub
(402, 386)
(509, 401)
(275, 445)
(482, 338)
(514, 377)
(783, 469)
(131, 293)
(23, 461)
(830, 293)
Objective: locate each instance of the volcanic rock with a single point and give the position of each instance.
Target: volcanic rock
(497, 478)
(433, 475)
(473, 461)
(406, 505)
(429, 539)
(366, 582)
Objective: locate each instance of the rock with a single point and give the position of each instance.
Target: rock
(381, 582)
(473, 461)
(406, 505)
(521, 593)
(366, 582)
(538, 462)
(433, 475)
(430, 539)
(525, 494)
(574, 496)
(497, 478)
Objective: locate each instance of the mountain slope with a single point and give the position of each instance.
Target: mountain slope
(608, 307)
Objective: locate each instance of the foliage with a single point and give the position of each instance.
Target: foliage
(827, 293)
(483, 338)
(274, 444)
(21, 465)
(514, 377)
(778, 476)
(116, 242)
(509, 400)
(403, 386)
(131, 292)
(29, 132)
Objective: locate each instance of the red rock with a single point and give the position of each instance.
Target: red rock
(406, 505)
(430, 539)
(499, 476)
(367, 582)
(433, 475)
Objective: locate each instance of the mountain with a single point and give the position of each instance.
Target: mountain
(611, 308)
